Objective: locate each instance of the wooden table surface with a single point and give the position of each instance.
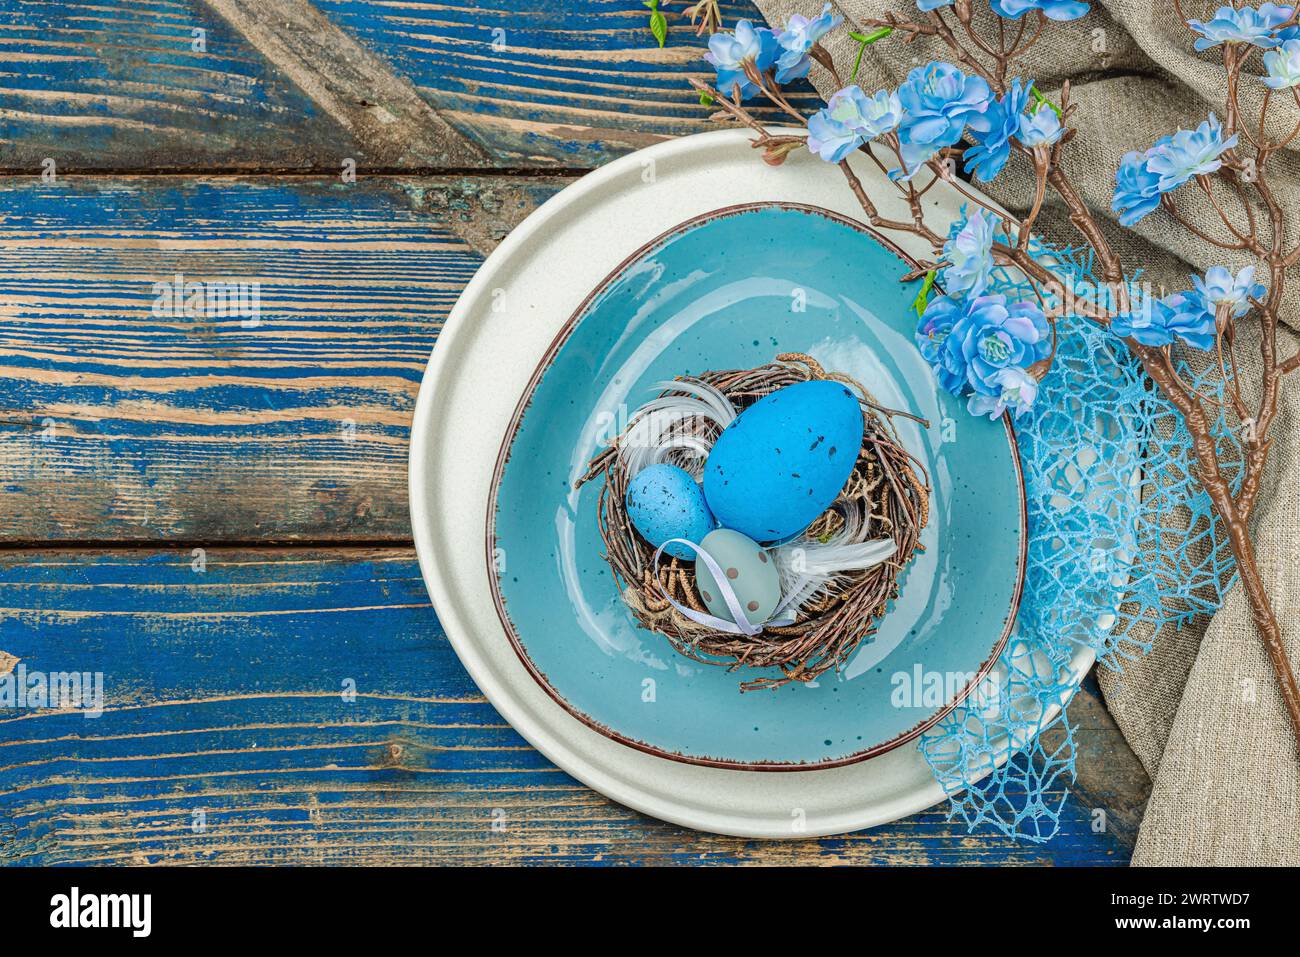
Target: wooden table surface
(214, 516)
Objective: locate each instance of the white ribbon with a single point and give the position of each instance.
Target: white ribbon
(741, 625)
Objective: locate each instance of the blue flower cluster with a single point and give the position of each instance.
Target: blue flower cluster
(969, 254)
(979, 344)
(1191, 316)
(994, 147)
(1144, 177)
(787, 53)
(939, 103)
(931, 110)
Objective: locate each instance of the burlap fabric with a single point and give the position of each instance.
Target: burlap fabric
(1201, 710)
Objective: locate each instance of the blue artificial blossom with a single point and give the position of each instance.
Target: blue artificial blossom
(993, 147)
(972, 341)
(798, 37)
(1253, 25)
(1184, 315)
(1016, 392)
(993, 335)
(1147, 323)
(1143, 177)
(1191, 316)
(850, 119)
(1061, 10)
(1220, 287)
(932, 332)
(1137, 188)
(1040, 128)
(1189, 153)
(939, 102)
(728, 52)
(981, 345)
(969, 254)
(1283, 65)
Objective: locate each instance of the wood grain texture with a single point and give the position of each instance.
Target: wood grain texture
(538, 82)
(224, 707)
(113, 84)
(117, 85)
(119, 424)
(354, 86)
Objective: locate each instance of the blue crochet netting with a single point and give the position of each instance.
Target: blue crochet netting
(1123, 546)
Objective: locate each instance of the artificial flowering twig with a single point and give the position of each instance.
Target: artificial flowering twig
(969, 111)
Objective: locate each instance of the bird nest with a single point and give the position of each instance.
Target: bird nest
(887, 492)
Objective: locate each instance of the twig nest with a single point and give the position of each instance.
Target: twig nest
(809, 593)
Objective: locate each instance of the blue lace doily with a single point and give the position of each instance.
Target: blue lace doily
(1123, 543)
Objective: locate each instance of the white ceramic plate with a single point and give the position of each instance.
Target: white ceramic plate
(496, 335)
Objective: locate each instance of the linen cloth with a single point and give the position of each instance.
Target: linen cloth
(1201, 710)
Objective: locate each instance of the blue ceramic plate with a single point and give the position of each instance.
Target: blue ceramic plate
(732, 290)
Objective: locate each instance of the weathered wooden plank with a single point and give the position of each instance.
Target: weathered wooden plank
(122, 418)
(118, 84)
(102, 84)
(354, 86)
(226, 737)
(573, 82)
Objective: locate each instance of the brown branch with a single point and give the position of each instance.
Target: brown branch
(1231, 179)
(1159, 367)
(1247, 242)
(911, 30)
(1041, 163)
(1231, 383)
(822, 56)
(944, 32)
(772, 91)
(873, 215)
(1038, 32)
(1167, 204)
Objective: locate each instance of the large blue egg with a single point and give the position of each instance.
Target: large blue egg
(664, 502)
(784, 460)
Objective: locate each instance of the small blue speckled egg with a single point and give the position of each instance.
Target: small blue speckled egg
(784, 460)
(750, 572)
(664, 502)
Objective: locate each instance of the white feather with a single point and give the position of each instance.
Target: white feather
(721, 409)
(807, 567)
(831, 559)
(656, 431)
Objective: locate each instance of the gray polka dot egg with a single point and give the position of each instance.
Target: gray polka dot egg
(749, 570)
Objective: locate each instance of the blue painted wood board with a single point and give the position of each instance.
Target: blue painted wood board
(224, 711)
(120, 423)
(538, 82)
(117, 85)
